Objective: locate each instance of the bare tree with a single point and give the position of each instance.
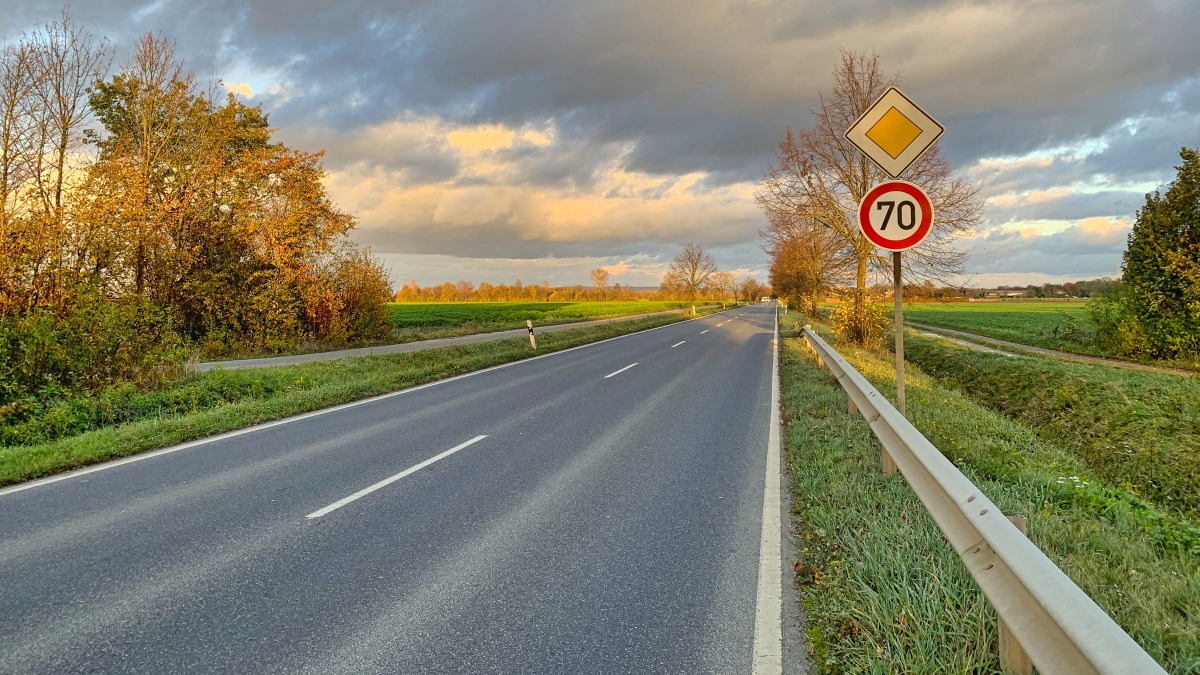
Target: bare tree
(18, 80)
(69, 61)
(690, 270)
(599, 278)
(820, 178)
(721, 282)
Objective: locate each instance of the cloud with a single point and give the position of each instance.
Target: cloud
(517, 130)
(239, 88)
(431, 187)
(1086, 249)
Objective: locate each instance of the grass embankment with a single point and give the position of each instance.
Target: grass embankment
(414, 321)
(122, 421)
(1055, 325)
(1135, 429)
(884, 592)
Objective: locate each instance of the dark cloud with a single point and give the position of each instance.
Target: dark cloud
(685, 87)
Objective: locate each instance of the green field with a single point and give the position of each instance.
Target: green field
(883, 590)
(514, 314)
(1055, 325)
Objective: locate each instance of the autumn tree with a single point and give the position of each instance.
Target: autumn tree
(806, 263)
(194, 207)
(599, 279)
(819, 178)
(690, 270)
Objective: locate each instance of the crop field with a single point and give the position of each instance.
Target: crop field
(512, 314)
(1055, 325)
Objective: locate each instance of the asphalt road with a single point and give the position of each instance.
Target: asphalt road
(600, 525)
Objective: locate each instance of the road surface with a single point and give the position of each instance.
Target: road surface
(573, 513)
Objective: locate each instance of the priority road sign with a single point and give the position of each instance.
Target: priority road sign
(895, 215)
(894, 132)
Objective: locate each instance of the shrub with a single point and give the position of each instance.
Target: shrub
(96, 341)
(860, 320)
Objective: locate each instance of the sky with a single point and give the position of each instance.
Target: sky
(496, 140)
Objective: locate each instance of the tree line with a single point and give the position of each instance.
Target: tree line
(691, 275)
(144, 218)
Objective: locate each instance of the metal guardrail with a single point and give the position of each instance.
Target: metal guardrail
(1054, 623)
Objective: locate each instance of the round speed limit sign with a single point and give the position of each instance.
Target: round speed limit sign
(895, 215)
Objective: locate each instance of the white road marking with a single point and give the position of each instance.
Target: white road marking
(768, 614)
(392, 479)
(620, 371)
(678, 343)
(703, 332)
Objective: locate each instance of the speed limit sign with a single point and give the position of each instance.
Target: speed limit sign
(895, 215)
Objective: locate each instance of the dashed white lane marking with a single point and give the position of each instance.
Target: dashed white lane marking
(678, 343)
(392, 479)
(620, 371)
(703, 332)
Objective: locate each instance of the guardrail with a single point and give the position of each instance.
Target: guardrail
(1045, 619)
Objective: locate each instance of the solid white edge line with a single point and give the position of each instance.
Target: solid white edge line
(392, 479)
(768, 614)
(678, 343)
(74, 473)
(620, 371)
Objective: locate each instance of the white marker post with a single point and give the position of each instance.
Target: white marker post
(894, 132)
(532, 339)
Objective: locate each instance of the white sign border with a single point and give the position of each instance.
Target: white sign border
(894, 98)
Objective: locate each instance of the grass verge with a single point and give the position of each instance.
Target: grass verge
(1137, 430)
(218, 401)
(883, 590)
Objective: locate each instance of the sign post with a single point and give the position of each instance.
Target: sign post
(894, 132)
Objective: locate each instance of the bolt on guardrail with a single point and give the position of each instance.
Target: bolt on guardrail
(1046, 621)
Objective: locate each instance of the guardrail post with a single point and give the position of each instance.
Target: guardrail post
(532, 339)
(886, 463)
(850, 405)
(1013, 659)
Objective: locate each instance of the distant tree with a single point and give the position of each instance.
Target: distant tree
(721, 283)
(690, 270)
(599, 278)
(748, 288)
(806, 263)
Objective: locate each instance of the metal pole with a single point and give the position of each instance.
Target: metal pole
(899, 297)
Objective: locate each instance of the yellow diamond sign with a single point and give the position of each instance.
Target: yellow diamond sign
(894, 132)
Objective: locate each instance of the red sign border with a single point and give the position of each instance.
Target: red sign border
(864, 221)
